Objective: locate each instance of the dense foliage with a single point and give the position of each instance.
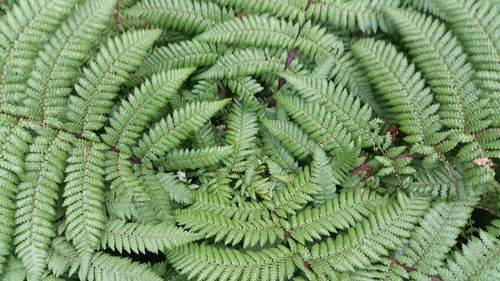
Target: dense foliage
(249, 140)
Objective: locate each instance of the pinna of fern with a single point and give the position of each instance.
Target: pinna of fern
(249, 140)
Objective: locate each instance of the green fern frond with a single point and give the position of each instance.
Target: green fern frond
(65, 52)
(478, 260)
(84, 196)
(158, 200)
(338, 213)
(207, 262)
(178, 191)
(318, 122)
(278, 153)
(294, 196)
(120, 204)
(183, 159)
(22, 31)
(14, 145)
(345, 107)
(219, 205)
(14, 270)
(102, 266)
(280, 8)
(231, 231)
(246, 88)
(141, 237)
(476, 24)
(402, 87)
(323, 176)
(191, 16)
(291, 136)
(370, 239)
(443, 64)
(365, 15)
(134, 113)
(184, 54)
(241, 135)
(439, 181)
(176, 128)
(36, 200)
(424, 6)
(265, 31)
(117, 58)
(247, 62)
(436, 235)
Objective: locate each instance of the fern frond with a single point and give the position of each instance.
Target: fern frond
(478, 260)
(207, 262)
(172, 130)
(134, 113)
(323, 176)
(443, 64)
(280, 8)
(120, 204)
(184, 54)
(191, 16)
(278, 153)
(101, 80)
(22, 31)
(476, 24)
(337, 213)
(365, 15)
(183, 159)
(345, 107)
(36, 200)
(265, 31)
(84, 196)
(102, 266)
(219, 205)
(402, 87)
(318, 122)
(141, 237)
(436, 235)
(291, 136)
(247, 62)
(14, 270)
(440, 181)
(246, 88)
(424, 6)
(241, 135)
(178, 191)
(231, 231)
(370, 239)
(14, 145)
(65, 52)
(158, 199)
(294, 196)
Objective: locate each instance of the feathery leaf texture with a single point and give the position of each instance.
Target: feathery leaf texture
(100, 83)
(249, 140)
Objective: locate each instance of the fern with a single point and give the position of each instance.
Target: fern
(364, 243)
(138, 238)
(64, 53)
(181, 122)
(23, 30)
(214, 263)
(249, 140)
(270, 32)
(479, 260)
(83, 197)
(188, 16)
(94, 100)
(36, 200)
(475, 24)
